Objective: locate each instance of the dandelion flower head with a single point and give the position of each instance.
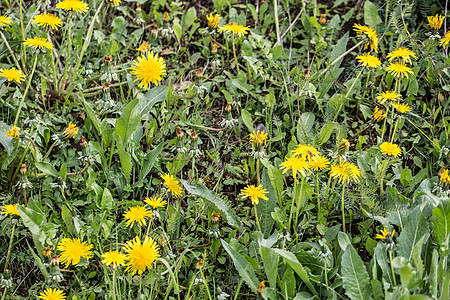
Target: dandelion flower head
(173, 185)
(444, 176)
(388, 96)
(52, 294)
(296, 163)
(318, 163)
(235, 29)
(38, 43)
(137, 214)
(47, 20)
(305, 151)
(5, 22)
(445, 40)
(155, 202)
(403, 53)
(369, 61)
(435, 22)
(144, 47)
(12, 74)
(384, 234)
(114, 258)
(345, 172)
(254, 193)
(258, 138)
(141, 256)
(399, 69)
(71, 131)
(378, 114)
(370, 34)
(115, 2)
(73, 5)
(148, 69)
(390, 149)
(213, 21)
(401, 107)
(13, 132)
(10, 209)
(72, 250)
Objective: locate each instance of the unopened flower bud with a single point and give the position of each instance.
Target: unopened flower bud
(166, 17)
(213, 48)
(23, 168)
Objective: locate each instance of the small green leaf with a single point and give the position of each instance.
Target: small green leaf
(247, 119)
(47, 168)
(128, 122)
(371, 17)
(107, 199)
(149, 161)
(149, 99)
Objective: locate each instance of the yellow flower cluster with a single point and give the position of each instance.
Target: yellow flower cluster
(444, 176)
(303, 159)
(390, 149)
(254, 193)
(369, 34)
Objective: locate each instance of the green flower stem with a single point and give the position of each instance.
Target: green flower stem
(343, 208)
(317, 192)
(258, 180)
(383, 128)
(392, 268)
(49, 150)
(257, 218)
(11, 52)
(299, 196)
(24, 56)
(8, 255)
(325, 270)
(292, 205)
(394, 131)
(69, 45)
(205, 283)
(382, 172)
(346, 95)
(392, 122)
(235, 57)
(26, 91)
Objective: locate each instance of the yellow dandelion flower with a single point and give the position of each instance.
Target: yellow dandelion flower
(385, 234)
(141, 256)
(114, 258)
(319, 163)
(345, 143)
(5, 22)
(148, 69)
(444, 176)
(10, 209)
(435, 22)
(388, 96)
(403, 53)
(72, 250)
(173, 185)
(368, 60)
(399, 69)
(370, 34)
(38, 43)
(13, 132)
(137, 214)
(445, 40)
(155, 202)
(235, 29)
(305, 151)
(73, 5)
(254, 193)
(115, 2)
(12, 74)
(378, 114)
(390, 149)
(298, 164)
(71, 131)
(144, 47)
(345, 172)
(47, 20)
(401, 107)
(258, 138)
(52, 294)
(213, 21)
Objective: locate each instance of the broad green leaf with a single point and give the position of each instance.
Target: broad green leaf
(218, 204)
(189, 18)
(247, 119)
(288, 284)
(297, 267)
(67, 218)
(124, 157)
(354, 275)
(6, 140)
(441, 224)
(371, 17)
(405, 269)
(149, 161)
(416, 227)
(107, 199)
(433, 275)
(304, 126)
(326, 132)
(380, 255)
(128, 122)
(149, 99)
(32, 219)
(242, 265)
(47, 168)
(343, 240)
(91, 114)
(270, 262)
(338, 50)
(266, 207)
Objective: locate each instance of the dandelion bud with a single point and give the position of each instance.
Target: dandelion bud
(108, 58)
(199, 264)
(23, 168)
(83, 142)
(228, 107)
(154, 30)
(213, 48)
(106, 87)
(306, 73)
(55, 260)
(215, 217)
(138, 8)
(179, 132)
(166, 17)
(199, 73)
(323, 19)
(441, 97)
(194, 136)
(47, 251)
(261, 287)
